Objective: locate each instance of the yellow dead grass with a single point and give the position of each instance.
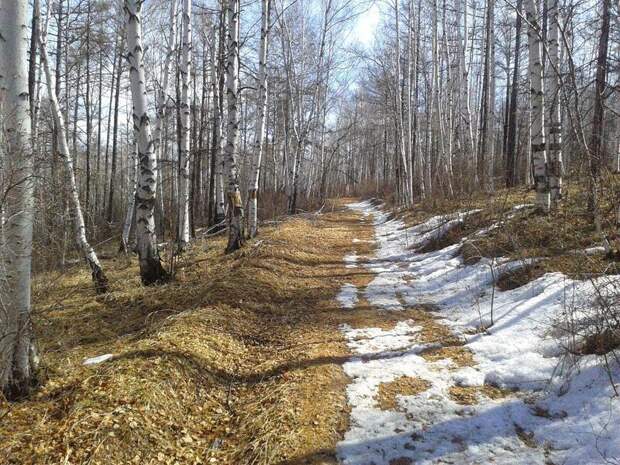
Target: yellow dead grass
(235, 362)
(403, 386)
(470, 395)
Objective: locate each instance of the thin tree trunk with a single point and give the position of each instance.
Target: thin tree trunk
(99, 277)
(185, 121)
(117, 91)
(235, 206)
(596, 141)
(406, 185)
(89, 121)
(219, 120)
(537, 103)
(554, 145)
(259, 131)
(511, 138)
(131, 200)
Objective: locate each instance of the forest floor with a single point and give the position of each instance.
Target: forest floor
(357, 336)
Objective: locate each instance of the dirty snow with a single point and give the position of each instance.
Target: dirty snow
(350, 260)
(581, 424)
(347, 297)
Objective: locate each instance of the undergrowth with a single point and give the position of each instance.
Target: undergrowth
(564, 241)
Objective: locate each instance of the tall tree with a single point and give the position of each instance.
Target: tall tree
(185, 118)
(18, 357)
(596, 140)
(151, 269)
(131, 200)
(259, 130)
(485, 142)
(511, 137)
(554, 144)
(99, 277)
(405, 186)
(537, 104)
(235, 206)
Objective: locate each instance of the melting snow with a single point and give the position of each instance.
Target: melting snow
(581, 424)
(350, 260)
(348, 296)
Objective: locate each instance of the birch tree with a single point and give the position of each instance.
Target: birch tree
(554, 144)
(98, 275)
(537, 104)
(405, 181)
(218, 76)
(162, 96)
(151, 269)
(131, 200)
(185, 69)
(259, 131)
(235, 206)
(18, 356)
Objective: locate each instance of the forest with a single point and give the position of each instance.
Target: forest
(322, 232)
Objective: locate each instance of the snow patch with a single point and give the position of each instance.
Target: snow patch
(347, 297)
(581, 420)
(350, 260)
(98, 359)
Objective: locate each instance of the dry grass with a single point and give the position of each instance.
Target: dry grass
(556, 236)
(460, 355)
(404, 386)
(470, 395)
(236, 361)
(525, 234)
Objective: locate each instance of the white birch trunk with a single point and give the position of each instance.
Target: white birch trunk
(186, 65)
(406, 185)
(259, 132)
(151, 270)
(18, 359)
(131, 200)
(235, 206)
(218, 109)
(537, 103)
(554, 144)
(163, 94)
(99, 278)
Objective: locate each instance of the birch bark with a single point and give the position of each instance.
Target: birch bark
(406, 186)
(162, 99)
(18, 358)
(259, 131)
(186, 65)
(554, 145)
(235, 206)
(220, 210)
(131, 200)
(99, 277)
(537, 103)
(151, 270)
